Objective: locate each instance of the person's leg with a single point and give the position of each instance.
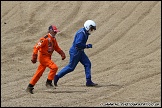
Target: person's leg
(37, 74)
(46, 61)
(74, 59)
(87, 66)
(35, 78)
(53, 69)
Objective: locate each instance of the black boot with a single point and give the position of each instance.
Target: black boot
(56, 78)
(30, 89)
(89, 83)
(49, 83)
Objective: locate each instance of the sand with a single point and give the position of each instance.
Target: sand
(126, 53)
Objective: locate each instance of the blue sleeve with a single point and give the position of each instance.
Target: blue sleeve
(80, 41)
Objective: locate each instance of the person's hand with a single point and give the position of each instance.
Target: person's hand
(34, 58)
(89, 46)
(63, 57)
(62, 54)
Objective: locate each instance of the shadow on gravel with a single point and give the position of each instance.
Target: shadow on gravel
(66, 91)
(108, 85)
(99, 85)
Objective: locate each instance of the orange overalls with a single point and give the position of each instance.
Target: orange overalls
(45, 46)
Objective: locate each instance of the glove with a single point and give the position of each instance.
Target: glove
(89, 46)
(34, 58)
(62, 54)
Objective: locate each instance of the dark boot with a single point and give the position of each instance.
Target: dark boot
(56, 78)
(30, 89)
(49, 83)
(89, 83)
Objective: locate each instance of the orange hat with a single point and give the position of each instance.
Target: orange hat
(54, 28)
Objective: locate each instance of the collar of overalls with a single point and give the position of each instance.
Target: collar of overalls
(86, 31)
(51, 35)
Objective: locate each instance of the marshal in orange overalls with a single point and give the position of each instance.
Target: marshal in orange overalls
(45, 47)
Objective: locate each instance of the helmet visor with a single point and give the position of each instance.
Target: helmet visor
(93, 27)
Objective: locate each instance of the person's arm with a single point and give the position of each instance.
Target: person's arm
(59, 50)
(36, 48)
(80, 41)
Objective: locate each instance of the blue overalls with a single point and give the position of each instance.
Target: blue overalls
(77, 54)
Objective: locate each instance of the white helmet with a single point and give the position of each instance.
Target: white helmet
(90, 24)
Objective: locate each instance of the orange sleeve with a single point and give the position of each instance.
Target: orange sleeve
(38, 45)
(57, 48)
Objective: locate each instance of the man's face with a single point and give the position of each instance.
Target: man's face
(91, 30)
(53, 33)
